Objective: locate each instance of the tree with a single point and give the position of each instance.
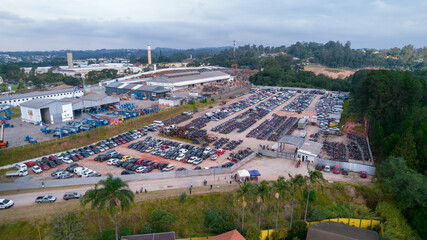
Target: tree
(299, 231)
(295, 183)
(261, 190)
(313, 177)
(218, 223)
(252, 232)
(67, 226)
(114, 193)
(161, 220)
(92, 197)
(280, 186)
(242, 193)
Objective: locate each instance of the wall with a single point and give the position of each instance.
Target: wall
(67, 112)
(26, 117)
(47, 95)
(354, 167)
(360, 223)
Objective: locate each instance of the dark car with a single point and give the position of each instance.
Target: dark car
(51, 164)
(127, 172)
(57, 161)
(71, 167)
(197, 168)
(319, 167)
(344, 171)
(74, 158)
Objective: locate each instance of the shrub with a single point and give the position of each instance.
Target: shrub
(298, 230)
(395, 225)
(183, 197)
(217, 223)
(252, 232)
(146, 228)
(126, 231)
(161, 220)
(108, 235)
(66, 226)
(319, 213)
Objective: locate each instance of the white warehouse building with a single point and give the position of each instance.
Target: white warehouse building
(50, 111)
(176, 81)
(18, 99)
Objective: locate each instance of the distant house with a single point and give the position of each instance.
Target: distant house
(231, 235)
(339, 231)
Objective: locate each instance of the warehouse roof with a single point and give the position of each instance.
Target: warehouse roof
(293, 140)
(138, 87)
(94, 97)
(311, 147)
(339, 231)
(35, 94)
(38, 103)
(72, 100)
(188, 76)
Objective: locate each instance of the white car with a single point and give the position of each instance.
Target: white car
(192, 159)
(327, 168)
(207, 151)
(214, 157)
(5, 203)
(67, 160)
(140, 169)
(197, 161)
(21, 166)
(86, 173)
(183, 150)
(180, 157)
(37, 169)
(169, 167)
(112, 161)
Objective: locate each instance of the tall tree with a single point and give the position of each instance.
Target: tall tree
(243, 192)
(91, 197)
(114, 193)
(280, 186)
(295, 183)
(313, 177)
(262, 191)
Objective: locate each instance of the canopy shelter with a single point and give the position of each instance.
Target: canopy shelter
(243, 173)
(254, 173)
(292, 140)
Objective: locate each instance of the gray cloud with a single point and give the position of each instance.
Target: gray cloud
(370, 24)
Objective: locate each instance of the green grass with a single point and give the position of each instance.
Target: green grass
(12, 155)
(190, 214)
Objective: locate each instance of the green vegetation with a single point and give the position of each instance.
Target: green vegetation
(333, 70)
(201, 214)
(93, 77)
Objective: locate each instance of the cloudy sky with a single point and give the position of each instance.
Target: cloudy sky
(95, 24)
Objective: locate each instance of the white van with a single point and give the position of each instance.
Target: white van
(158, 123)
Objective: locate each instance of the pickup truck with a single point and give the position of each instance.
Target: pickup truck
(45, 199)
(18, 173)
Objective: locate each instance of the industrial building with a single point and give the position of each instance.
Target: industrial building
(50, 111)
(91, 100)
(171, 101)
(18, 99)
(175, 81)
(136, 90)
(309, 151)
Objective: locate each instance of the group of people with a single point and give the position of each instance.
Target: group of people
(141, 190)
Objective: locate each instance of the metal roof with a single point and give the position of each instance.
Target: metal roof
(189, 77)
(311, 147)
(293, 140)
(39, 103)
(94, 97)
(138, 87)
(35, 94)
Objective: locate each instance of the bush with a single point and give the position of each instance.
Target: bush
(395, 225)
(319, 213)
(126, 231)
(252, 232)
(146, 228)
(313, 195)
(66, 226)
(191, 102)
(108, 235)
(217, 223)
(213, 100)
(161, 220)
(183, 197)
(298, 230)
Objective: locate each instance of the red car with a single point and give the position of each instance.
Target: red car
(44, 166)
(186, 159)
(77, 155)
(337, 170)
(363, 174)
(220, 152)
(139, 162)
(51, 157)
(30, 163)
(148, 169)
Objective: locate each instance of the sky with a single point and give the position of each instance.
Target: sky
(27, 25)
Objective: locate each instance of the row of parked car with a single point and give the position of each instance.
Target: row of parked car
(337, 170)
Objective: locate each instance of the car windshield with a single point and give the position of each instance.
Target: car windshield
(6, 201)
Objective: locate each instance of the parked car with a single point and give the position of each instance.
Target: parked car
(72, 195)
(127, 172)
(6, 203)
(319, 167)
(30, 163)
(45, 199)
(344, 171)
(337, 170)
(327, 168)
(36, 169)
(363, 174)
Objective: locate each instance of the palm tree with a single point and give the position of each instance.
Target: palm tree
(115, 192)
(313, 177)
(262, 190)
(295, 183)
(91, 197)
(281, 186)
(241, 193)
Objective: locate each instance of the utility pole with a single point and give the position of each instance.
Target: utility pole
(234, 48)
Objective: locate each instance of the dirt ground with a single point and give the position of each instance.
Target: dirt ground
(333, 73)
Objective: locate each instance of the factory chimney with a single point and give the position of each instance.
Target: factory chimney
(70, 60)
(149, 54)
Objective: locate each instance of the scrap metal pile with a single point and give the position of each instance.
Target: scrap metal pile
(335, 150)
(240, 155)
(265, 129)
(189, 133)
(354, 151)
(284, 129)
(177, 119)
(363, 144)
(232, 145)
(221, 142)
(329, 109)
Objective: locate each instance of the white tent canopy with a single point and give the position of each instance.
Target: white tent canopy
(243, 173)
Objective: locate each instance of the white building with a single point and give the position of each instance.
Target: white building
(121, 68)
(170, 101)
(18, 99)
(175, 81)
(309, 151)
(50, 111)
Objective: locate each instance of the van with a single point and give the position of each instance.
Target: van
(158, 123)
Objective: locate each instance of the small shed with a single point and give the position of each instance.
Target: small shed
(309, 151)
(50, 111)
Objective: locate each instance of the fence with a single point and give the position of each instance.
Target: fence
(269, 153)
(232, 92)
(360, 223)
(354, 167)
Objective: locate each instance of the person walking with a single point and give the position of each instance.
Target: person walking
(190, 190)
(43, 185)
(191, 184)
(211, 186)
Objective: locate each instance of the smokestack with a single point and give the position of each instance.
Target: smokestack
(149, 54)
(70, 60)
